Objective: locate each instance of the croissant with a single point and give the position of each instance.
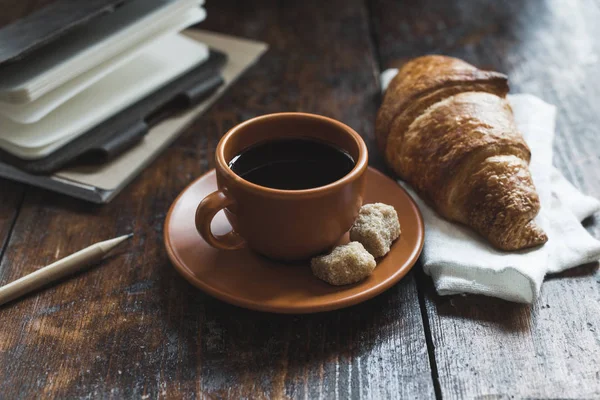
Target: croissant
(446, 128)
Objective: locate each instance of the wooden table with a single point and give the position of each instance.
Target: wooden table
(133, 328)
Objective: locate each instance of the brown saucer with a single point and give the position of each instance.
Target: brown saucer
(246, 279)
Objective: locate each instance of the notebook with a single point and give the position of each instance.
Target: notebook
(162, 61)
(29, 25)
(102, 183)
(126, 128)
(86, 47)
(35, 110)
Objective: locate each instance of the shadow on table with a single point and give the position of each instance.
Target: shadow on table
(585, 270)
(232, 339)
(489, 311)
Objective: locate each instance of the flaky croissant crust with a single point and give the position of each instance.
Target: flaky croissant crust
(426, 80)
(446, 129)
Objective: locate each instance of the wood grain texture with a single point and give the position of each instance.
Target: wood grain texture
(11, 196)
(133, 328)
(487, 348)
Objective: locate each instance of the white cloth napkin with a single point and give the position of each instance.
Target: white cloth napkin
(460, 261)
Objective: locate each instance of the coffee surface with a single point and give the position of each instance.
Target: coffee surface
(292, 164)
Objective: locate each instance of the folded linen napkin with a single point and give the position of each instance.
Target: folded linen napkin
(460, 261)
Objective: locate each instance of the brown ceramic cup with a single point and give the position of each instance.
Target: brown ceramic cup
(284, 224)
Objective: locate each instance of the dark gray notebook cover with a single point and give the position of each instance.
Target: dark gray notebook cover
(23, 35)
(125, 129)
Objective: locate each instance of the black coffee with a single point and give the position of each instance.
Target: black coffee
(292, 164)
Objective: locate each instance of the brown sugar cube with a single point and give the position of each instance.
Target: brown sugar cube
(376, 227)
(349, 263)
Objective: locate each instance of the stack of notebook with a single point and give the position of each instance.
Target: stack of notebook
(81, 85)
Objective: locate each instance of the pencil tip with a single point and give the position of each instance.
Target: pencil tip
(110, 244)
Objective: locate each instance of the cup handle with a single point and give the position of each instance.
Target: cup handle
(206, 211)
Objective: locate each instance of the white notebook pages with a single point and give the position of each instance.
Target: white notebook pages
(103, 182)
(161, 62)
(87, 47)
(27, 113)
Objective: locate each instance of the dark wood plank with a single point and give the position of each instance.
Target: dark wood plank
(133, 328)
(485, 347)
(11, 196)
